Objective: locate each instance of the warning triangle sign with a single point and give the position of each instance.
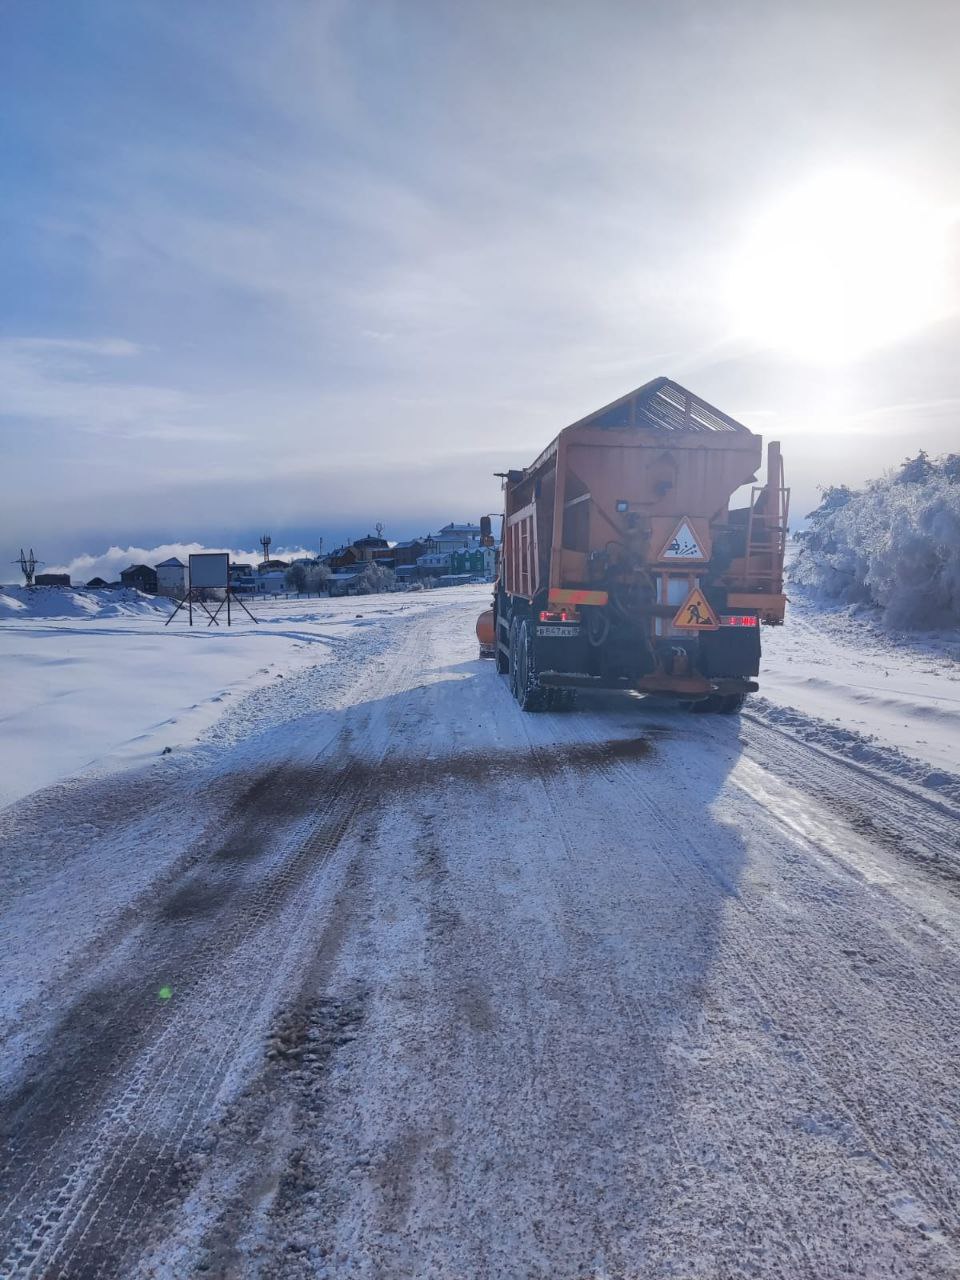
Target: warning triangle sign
(683, 544)
(696, 613)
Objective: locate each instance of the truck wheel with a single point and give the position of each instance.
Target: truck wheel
(512, 656)
(561, 699)
(503, 659)
(731, 703)
(528, 691)
(706, 705)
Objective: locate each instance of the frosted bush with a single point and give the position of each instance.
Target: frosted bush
(374, 579)
(895, 544)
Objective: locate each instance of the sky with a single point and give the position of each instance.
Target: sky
(289, 267)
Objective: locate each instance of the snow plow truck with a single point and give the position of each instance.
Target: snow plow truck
(623, 566)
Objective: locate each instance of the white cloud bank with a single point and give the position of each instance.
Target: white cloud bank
(109, 564)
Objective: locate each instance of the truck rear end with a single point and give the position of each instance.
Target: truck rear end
(623, 565)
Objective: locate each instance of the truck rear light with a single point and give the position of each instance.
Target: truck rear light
(738, 620)
(558, 615)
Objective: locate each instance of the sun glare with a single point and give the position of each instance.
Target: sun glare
(844, 264)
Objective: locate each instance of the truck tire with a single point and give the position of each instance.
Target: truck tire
(512, 655)
(561, 699)
(724, 704)
(502, 659)
(731, 704)
(527, 688)
(706, 706)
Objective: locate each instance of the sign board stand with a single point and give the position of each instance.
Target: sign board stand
(209, 571)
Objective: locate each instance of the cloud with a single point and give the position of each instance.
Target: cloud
(109, 564)
(69, 382)
(80, 346)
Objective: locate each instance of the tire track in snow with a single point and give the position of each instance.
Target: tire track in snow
(911, 822)
(663, 838)
(840, 1072)
(81, 1227)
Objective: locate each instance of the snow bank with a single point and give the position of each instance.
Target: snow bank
(864, 749)
(24, 603)
(839, 664)
(896, 544)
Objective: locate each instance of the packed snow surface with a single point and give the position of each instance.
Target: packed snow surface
(372, 975)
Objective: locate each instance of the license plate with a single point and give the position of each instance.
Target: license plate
(558, 631)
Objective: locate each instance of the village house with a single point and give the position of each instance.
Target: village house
(360, 552)
(171, 578)
(272, 582)
(407, 553)
(425, 557)
(242, 577)
(452, 537)
(433, 564)
(477, 562)
(141, 577)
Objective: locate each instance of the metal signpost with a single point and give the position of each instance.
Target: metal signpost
(209, 571)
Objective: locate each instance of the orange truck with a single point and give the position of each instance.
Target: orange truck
(623, 565)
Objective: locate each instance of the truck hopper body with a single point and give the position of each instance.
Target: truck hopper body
(623, 565)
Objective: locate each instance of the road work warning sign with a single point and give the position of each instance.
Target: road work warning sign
(683, 544)
(696, 613)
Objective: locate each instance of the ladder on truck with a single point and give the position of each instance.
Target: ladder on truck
(767, 529)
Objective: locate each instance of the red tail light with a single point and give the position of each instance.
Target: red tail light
(738, 620)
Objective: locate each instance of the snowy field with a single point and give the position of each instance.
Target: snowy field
(94, 681)
(371, 975)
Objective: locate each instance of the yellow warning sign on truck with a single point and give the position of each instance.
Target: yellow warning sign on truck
(696, 613)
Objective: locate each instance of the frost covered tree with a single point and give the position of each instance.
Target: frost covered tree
(895, 544)
(318, 578)
(296, 577)
(307, 578)
(375, 578)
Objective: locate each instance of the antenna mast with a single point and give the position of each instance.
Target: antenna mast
(265, 543)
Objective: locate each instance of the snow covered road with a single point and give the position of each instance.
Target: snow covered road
(385, 979)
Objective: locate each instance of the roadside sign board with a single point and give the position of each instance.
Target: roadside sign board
(209, 569)
(696, 613)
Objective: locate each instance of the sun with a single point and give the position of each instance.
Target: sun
(844, 264)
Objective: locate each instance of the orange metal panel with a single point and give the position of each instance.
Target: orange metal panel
(559, 596)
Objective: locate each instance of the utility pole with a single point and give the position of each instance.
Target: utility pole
(28, 565)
